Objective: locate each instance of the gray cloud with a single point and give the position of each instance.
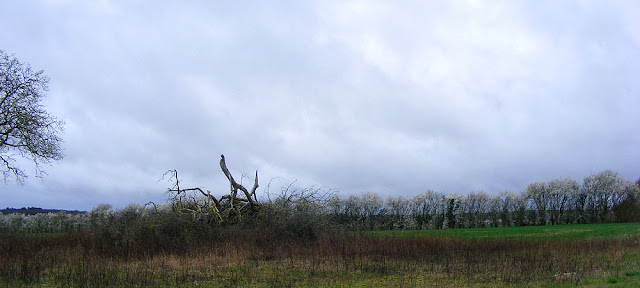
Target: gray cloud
(393, 98)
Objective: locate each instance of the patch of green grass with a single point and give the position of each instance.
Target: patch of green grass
(548, 232)
(599, 281)
(612, 280)
(632, 274)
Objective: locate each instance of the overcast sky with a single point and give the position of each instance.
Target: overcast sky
(392, 97)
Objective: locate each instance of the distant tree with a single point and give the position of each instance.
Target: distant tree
(453, 206)
(578, 206)
(399, 211)
(372, 209)
(539, 192)
(494, 211)
(26, 129)
(354, 212)
(604, 190)
(474, 209)
(627, 205)
(337, 210)
(439, 211)
(507, 207)
(561, 190)
(426, 207)
(518, 205)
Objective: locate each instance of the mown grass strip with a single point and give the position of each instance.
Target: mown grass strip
(548, 232)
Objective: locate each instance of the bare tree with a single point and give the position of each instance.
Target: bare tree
(372, 209)
(519, 206)
(627, 207)
(539, 193)
(603, 190)
(399, 211)
(561, 190)
(507, 207)
(302, 211)
(26, 129)
(353, 211)
(229, 207)
(495, 203)
(426, 207)
(475, 208)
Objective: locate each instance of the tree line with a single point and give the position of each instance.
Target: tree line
(601, 198)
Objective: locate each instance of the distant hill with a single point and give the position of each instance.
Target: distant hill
(35, 210)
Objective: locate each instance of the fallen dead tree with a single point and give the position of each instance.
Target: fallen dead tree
(201, 204)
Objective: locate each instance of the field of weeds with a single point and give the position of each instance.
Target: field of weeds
(248, 258)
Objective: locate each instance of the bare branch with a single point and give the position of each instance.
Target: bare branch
(235, 186)
(26, 129)
(230, 206)
(255, 186)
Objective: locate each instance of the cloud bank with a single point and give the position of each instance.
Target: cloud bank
(389, 97)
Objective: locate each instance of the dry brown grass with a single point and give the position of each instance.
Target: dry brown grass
(247, 257)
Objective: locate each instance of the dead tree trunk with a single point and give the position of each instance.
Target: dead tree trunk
(230, 207)
(237, 204)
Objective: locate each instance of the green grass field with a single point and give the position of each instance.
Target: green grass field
(549, 232)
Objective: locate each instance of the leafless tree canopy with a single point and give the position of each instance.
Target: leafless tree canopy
(26, 129)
